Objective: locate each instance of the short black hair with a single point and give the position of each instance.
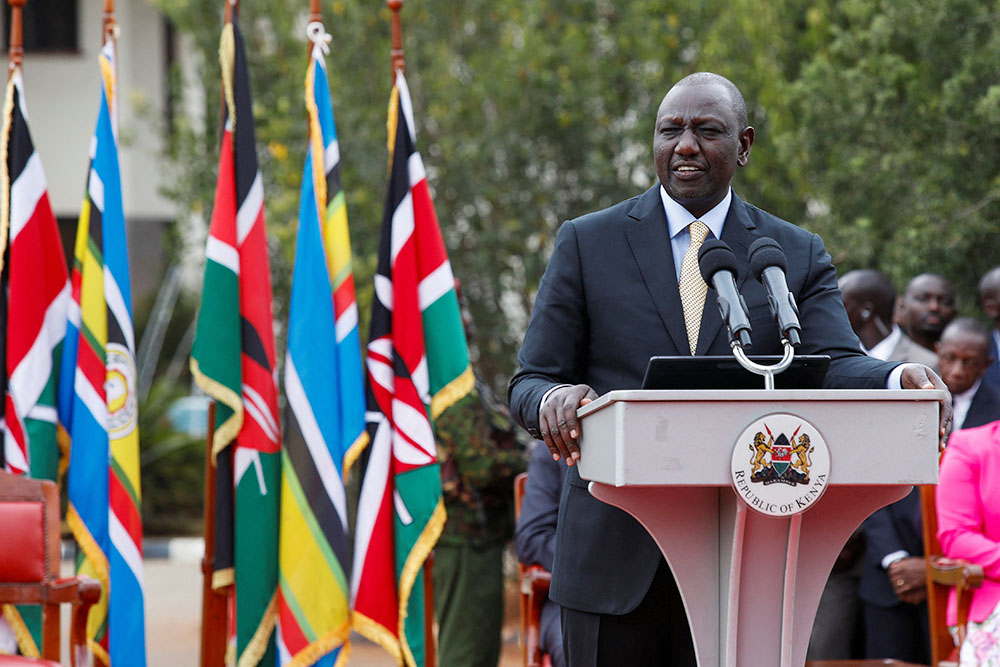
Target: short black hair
(990, 282)
(871, 285)
(967, 325)
(739, 105)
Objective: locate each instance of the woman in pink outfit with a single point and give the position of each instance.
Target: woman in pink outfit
(968, 510)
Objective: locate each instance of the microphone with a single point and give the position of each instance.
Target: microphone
(768, 265)
(718, 267)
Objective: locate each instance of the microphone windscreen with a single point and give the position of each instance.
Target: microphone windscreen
(765, 252)
(715, 256)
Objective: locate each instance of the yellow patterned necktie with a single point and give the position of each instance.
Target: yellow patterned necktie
(691, 286)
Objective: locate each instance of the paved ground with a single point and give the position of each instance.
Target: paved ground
(173, 616)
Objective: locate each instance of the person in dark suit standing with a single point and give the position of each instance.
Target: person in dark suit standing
(964, 357)
(989, 297)
(611, 297)
(535, 536)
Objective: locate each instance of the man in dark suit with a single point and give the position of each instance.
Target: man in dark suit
(893, 583)
(963, 357)
(609, 300)
(535, 536)
(989, 296)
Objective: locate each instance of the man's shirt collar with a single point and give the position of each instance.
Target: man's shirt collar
(678, 217)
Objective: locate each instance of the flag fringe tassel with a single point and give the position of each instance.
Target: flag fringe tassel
(257, 646)
(25, 641)
(322, 646)
(411, 569)
(227, 431)
(8, 112)
(452, 392)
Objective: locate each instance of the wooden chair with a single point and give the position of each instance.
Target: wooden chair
(29, 568)
(534, 591)
(944, 574)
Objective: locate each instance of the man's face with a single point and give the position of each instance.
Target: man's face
(697, 145)
(927, 306)
(963, 358)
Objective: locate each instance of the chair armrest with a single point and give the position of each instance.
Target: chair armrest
(954, 572)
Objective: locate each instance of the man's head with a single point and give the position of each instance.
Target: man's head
(989, 294)
(701, 136)
(963, 353)
(926, 307)
(869, 298)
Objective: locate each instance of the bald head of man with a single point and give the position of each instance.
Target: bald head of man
(869, 298)
(989, 294)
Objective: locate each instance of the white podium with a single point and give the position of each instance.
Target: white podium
(751, 583)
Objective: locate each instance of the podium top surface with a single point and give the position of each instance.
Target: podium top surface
(760, 395)
(686, 437)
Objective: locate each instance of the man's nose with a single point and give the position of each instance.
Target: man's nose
(687, 144)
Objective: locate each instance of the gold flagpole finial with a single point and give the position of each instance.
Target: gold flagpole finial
(16, 55)
(398, 61)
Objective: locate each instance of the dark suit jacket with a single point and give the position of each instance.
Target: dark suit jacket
(992, 376)
(607, 302)
(985, 407)
(535, 534)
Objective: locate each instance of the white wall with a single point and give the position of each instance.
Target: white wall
(62, 93)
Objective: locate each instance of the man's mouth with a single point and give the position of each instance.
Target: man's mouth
(687, 170)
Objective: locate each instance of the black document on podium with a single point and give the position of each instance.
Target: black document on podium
(725, 372)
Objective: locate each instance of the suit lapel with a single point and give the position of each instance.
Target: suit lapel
(649, 240)
(736, 234)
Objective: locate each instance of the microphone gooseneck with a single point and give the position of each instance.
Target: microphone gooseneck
(768, 265)
(718, 268)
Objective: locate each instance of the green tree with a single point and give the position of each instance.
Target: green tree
(899, 119)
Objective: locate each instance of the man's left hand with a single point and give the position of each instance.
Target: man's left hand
(918, 376)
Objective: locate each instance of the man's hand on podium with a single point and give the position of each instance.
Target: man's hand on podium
(558, 424)
(908, 578)
(918, 376)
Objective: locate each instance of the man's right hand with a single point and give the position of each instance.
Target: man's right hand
(558, 424)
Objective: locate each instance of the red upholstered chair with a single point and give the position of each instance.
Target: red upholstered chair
(29, 568)
(534, 591)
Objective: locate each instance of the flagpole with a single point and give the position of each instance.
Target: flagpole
(213, 603)
(108, 25)
(398, 60)
(16, 55)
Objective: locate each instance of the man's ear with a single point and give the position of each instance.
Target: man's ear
(991, 306)
(746, 141)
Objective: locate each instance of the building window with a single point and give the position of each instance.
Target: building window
(49, 26)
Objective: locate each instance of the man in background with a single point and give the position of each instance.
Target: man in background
(870, 298)
(989, 296)
(926, 308)
(964, 356)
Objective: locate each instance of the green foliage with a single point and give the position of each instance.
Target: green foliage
(878, 125)
(172, 464)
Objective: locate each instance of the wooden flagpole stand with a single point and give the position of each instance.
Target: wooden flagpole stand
(399, 65)
(213, 603)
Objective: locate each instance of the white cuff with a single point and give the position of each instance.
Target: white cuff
(545, 396)
(895, 379)
(893, 557)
